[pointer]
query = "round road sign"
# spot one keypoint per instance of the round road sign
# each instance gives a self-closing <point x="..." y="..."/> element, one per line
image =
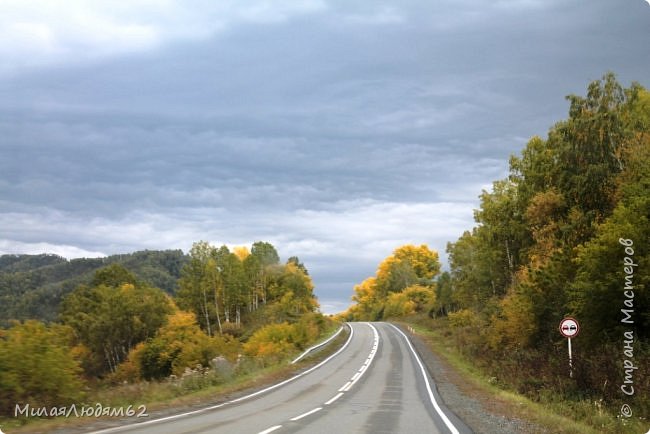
<point x="569" y="327"/>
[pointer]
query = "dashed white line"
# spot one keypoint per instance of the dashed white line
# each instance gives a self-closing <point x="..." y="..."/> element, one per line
<point x="273" y="428"/>
<point x="345" y="387"/>
<point x="293" y="419"/>
<point x="214" y="407"/>
<point x="340" y="394"/>
<point x="356" y="377"/>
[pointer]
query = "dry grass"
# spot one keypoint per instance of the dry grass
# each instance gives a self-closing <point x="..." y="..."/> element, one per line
<point x="552" y="413"/>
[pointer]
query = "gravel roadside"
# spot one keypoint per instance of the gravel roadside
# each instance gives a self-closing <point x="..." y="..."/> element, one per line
<point x="476" y="408"/>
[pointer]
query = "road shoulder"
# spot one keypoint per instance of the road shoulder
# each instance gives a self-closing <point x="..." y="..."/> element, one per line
<point x="481" y="411"/>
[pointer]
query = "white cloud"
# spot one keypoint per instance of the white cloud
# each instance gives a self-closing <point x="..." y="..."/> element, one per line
<point x="347" y="235"/>
<point x="66" y="251"/>
<point x="42" y="32"/>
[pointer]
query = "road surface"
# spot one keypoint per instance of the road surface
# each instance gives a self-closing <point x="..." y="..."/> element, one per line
<point x="374" y="384"/>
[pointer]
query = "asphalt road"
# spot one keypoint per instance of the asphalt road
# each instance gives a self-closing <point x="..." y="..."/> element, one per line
<point x="374" y="384"/>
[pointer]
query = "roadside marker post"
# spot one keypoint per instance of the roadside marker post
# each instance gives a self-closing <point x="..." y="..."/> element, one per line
<point x="569" y="328"/>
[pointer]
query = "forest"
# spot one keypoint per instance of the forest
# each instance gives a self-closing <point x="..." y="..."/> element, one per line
<point x="33" y="286"/>
<point x="565" y="234"/>
<point x="228" y="313"/>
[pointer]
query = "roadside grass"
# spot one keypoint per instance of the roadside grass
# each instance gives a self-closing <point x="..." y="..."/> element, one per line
<point x="167" y="397"/>
<point x="551" y="412"/>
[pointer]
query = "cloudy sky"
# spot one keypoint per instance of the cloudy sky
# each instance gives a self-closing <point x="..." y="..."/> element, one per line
<point x="335" y="129"/>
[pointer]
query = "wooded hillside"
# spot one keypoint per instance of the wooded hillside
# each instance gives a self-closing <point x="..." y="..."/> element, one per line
<point x="33" y="286"/>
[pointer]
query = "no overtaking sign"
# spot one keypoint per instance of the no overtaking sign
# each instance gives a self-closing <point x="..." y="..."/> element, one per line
<point x="569" y="327"/>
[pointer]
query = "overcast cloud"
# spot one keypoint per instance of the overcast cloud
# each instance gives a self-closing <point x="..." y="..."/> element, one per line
<point x="335" y="130"/>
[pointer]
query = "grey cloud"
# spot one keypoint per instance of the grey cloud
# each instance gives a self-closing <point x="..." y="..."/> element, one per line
<point x="337" y="131"/>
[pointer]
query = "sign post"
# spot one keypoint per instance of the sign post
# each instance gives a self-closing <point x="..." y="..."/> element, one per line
<point x="569" y="328"/>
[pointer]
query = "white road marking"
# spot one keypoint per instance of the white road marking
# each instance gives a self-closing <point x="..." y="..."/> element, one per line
<point x="309" y="350"/>
<point x="443" y="416"/>
<point x="306" y="414"/>
<point x="340" y="394"/>
<point x="371" y="356"/>
<point x="367" y="363"/>
<point x="214" y="407"/>
<point x="345" y="387"/>
<point x="273" y="428"/>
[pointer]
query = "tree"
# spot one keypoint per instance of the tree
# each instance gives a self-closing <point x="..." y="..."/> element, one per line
<point x="403" y="284"/>
<point x="444" y="302"/>
<point x="234" y="284"/>
<point x="296" y="261"/>
<point x="38" y="367"/>
<point x="294" y="290"/>
<point x="262" y="260"/>
<point x="200" y="285"/>
<point x="407" y="265"/>
<point x="616" y="260"/>
<point x="266" y="253"/>
<point x="179" y="344"/>
<point x="113" y="276"/>
<point x="111" y="320"/>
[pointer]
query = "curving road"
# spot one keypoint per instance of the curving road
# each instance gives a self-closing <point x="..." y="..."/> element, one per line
<point x="374" y="384"/>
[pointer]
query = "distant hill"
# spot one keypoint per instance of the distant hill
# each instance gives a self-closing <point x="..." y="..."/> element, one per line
<point x="32" y="286"/>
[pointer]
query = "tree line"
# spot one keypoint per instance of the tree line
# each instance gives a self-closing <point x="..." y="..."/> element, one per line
<point x="565" y="234"/>
<point x="237" y="307"/>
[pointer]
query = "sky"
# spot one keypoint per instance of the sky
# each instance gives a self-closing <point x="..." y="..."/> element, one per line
<point x="335" y="130"/>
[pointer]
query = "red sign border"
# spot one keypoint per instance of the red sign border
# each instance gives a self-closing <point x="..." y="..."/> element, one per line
<point x="577" y="325"/>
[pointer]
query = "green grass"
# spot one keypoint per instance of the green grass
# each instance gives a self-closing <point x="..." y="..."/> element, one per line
<point x="552" y="413"/>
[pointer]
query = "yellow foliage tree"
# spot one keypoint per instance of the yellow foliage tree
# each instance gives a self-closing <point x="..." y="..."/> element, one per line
<point x="425" y="262"/>
<point x="178" y="344"/>
<point x="398" y="304"/>
<point x="402" y="285"/>
<point x="409" y="264"/>
<point x="37" y="367"/>
<point x="271" y="343"/>
<point x="241" y="252"/>
<point x="423" y="297"/>
<point x="514" y="327"/>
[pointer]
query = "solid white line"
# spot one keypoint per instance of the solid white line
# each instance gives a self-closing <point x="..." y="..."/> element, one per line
<point x="273" y="428"/>
<point x="443" y="416"/>
<point x="309" y="350"/>
<point x="313" y="368"/>
<point x="334" y="399"/>
<point x="243" y="398"/>
<point x="355" y="376"/>
<point x="306" y="414"/>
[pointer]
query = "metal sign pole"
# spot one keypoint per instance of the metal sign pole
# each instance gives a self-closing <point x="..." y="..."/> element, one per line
<point x="570" y="360"/>
<point x="569" y="328"/>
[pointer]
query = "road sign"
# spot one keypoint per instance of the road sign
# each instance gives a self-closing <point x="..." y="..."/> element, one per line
<point x="569" y="327"/>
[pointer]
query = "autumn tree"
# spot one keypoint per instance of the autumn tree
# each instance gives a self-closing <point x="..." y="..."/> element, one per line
<point x="400" y="279"/>
<point x="407" y="265"/>
<point x="38" y="367"/>
<point x="114" y="316"/>
<point x="177" y="345"/>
